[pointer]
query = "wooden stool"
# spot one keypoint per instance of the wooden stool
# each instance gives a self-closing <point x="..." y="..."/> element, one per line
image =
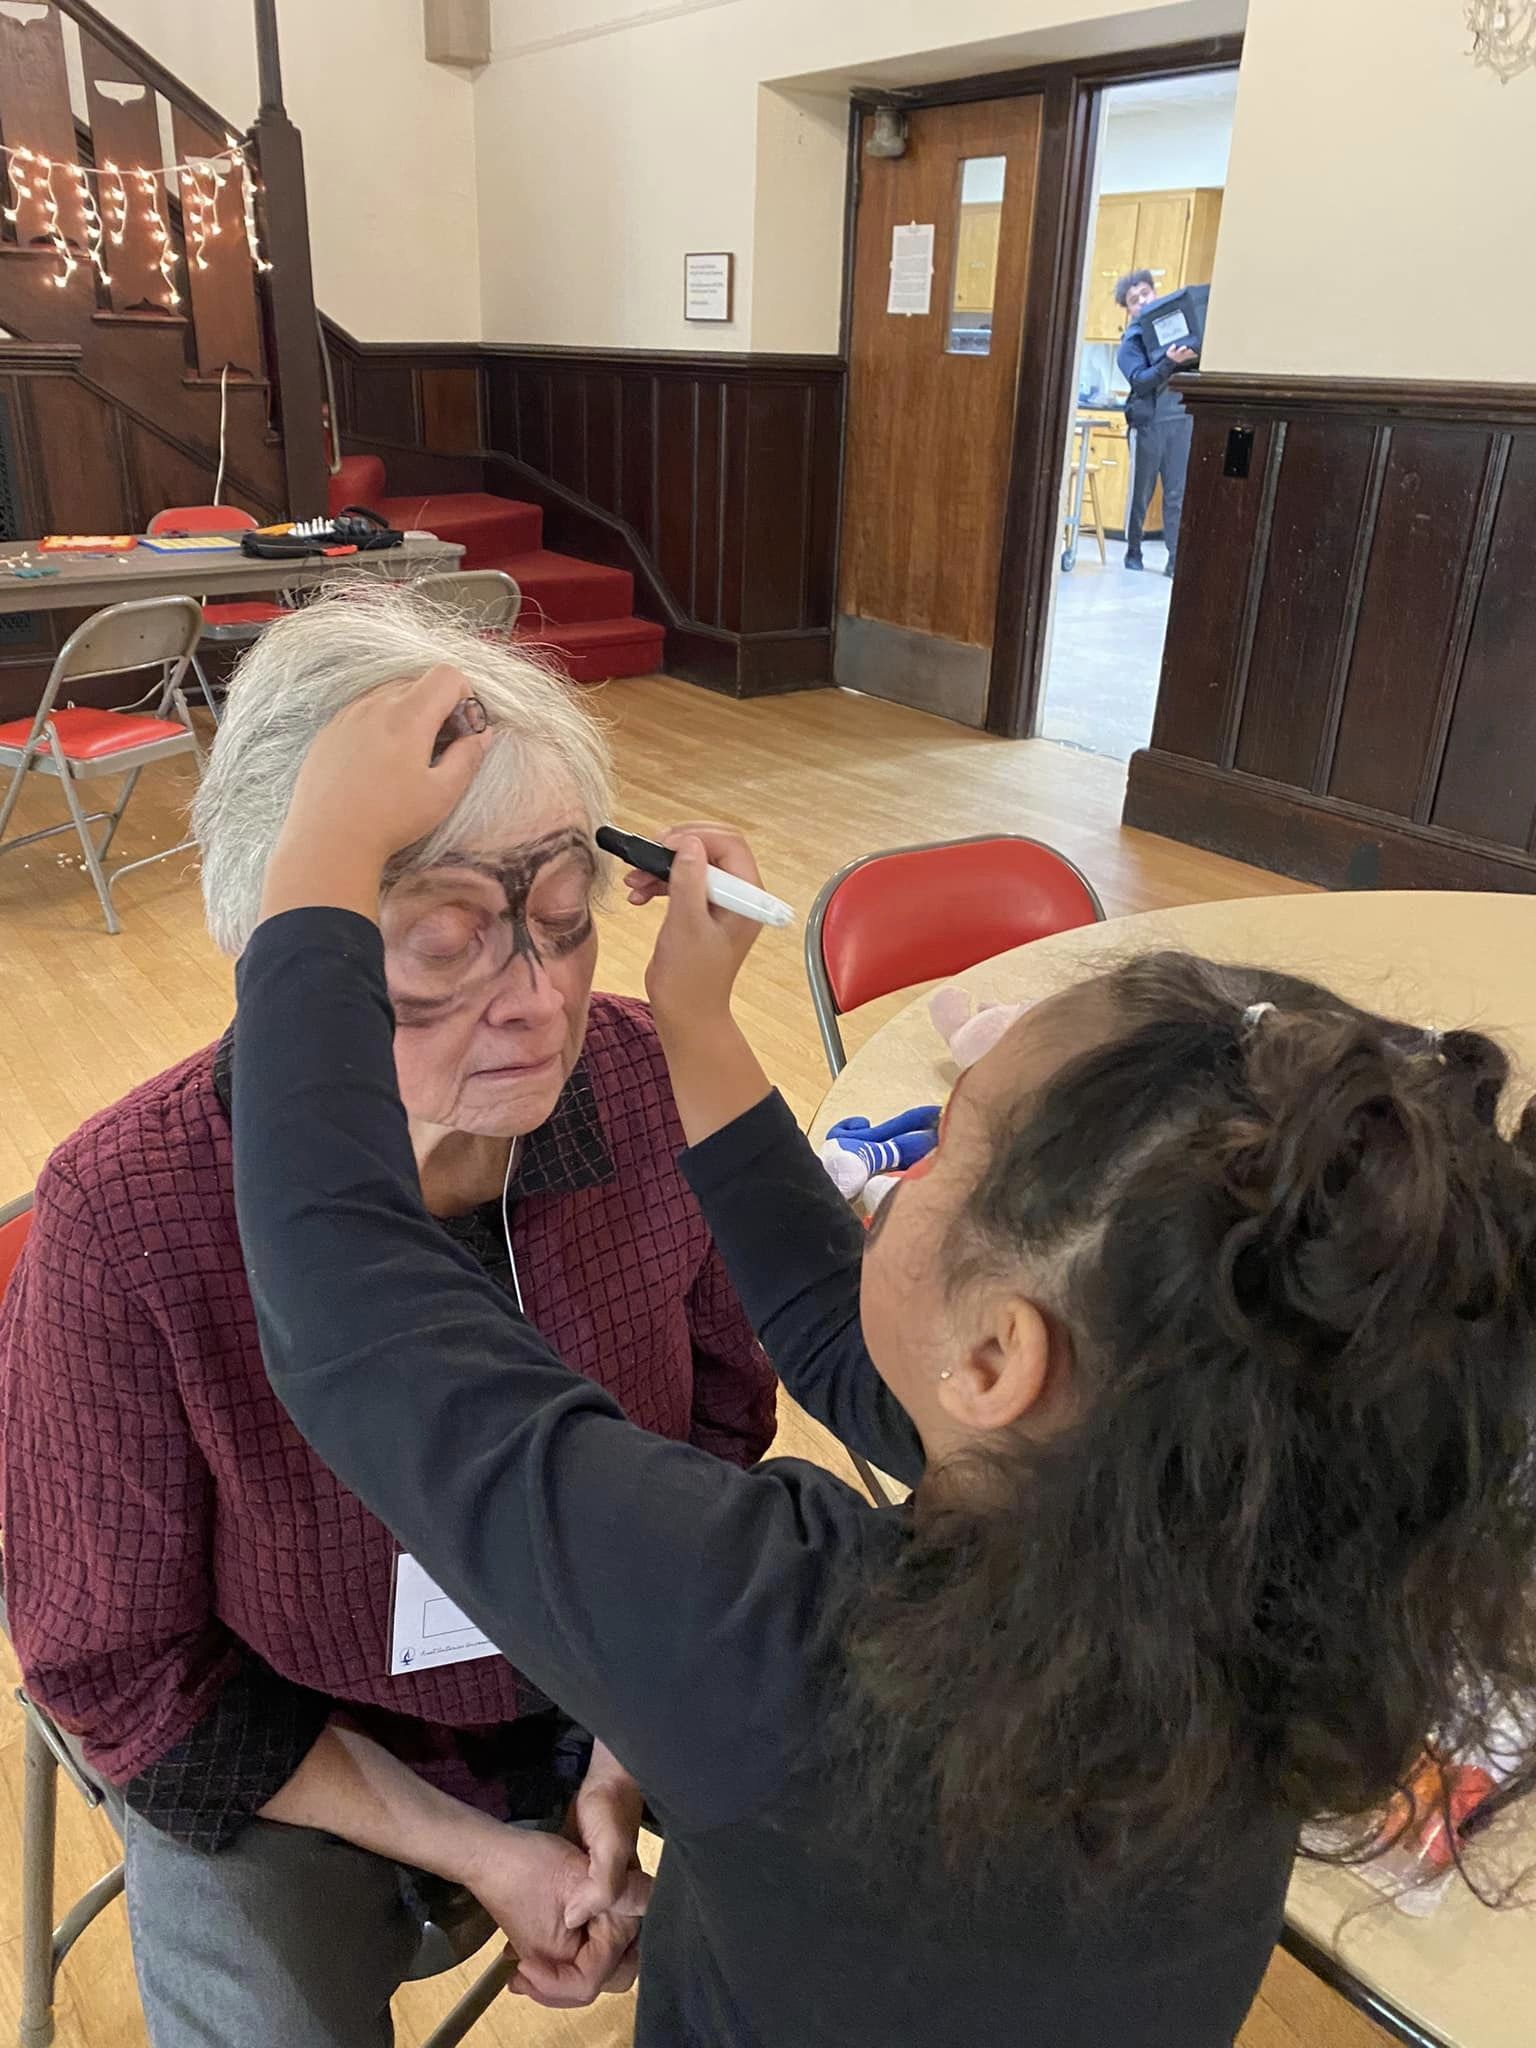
<point x="1097" y="520"/>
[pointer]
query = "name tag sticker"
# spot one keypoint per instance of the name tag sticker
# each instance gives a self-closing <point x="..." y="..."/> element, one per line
<point x="1170" y="328"/>
<point x="425" y="1628"/>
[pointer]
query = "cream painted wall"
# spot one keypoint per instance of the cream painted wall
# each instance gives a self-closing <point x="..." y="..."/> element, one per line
<point x="1166" y="149"/>
<point x="1389" y="186"/>
<point x="389" y="149"/>
<point x="614" y="135"/>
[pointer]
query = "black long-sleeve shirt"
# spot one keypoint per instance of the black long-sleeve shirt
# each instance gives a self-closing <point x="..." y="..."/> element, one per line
<point x="677" y="1607"/>
<point x="1146" y="367"/>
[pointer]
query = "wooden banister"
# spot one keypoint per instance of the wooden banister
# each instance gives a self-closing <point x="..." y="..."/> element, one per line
<point x="153" y="73"/>
<point x="290" y="286"/>
<point x="222" y="332"/>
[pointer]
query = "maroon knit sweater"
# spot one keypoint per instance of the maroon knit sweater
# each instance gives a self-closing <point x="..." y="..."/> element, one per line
<point x="180" y="1568"/>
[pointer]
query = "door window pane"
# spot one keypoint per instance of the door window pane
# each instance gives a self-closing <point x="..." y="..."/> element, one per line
<point x="976" y="241"/>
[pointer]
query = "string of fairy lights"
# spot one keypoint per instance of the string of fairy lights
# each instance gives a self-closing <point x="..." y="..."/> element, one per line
<point x="106" y="196"/>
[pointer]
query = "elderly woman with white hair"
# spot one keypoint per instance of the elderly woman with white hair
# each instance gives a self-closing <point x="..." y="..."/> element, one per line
<point x="299" y="1723"/>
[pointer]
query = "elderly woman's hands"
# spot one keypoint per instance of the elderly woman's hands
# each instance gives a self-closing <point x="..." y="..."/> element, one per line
<point x="369" y="785"/>
<point x="528" y="1883"/>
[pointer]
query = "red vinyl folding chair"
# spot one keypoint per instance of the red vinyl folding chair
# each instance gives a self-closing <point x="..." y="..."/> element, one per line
<point x="231" y="623"/>
<point x="79" y="744"/>
<point x="919" y="913"/>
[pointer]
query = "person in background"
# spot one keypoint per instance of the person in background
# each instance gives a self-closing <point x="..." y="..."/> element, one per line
<point x="1205" y="1338"/>
<point x="191" y="1592"/>
<point x="1159" y="421"/>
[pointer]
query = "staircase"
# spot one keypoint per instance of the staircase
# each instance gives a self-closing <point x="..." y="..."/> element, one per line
<point x="580" y="614"/>
<point x="131" y="370"/>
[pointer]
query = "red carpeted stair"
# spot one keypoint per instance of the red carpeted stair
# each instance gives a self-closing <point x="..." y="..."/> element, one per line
<point x="579" y="612"/>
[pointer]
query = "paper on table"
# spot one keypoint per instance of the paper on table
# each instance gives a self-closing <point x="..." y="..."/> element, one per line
<point x="911" y="268"/>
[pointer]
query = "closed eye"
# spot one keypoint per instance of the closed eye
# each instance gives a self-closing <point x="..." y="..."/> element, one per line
<point x="562" y="935"/>
<point x="444" y="937"/>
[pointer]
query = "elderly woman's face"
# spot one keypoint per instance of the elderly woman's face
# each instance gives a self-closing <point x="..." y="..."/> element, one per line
<point x="489" y="957"/>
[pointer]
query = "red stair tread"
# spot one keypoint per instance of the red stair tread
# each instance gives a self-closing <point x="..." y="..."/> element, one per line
<point x="579" y="613"/>
<point x="564" y="591"/>
<point x="599" y="650"/>
<point x="487" y="528"/>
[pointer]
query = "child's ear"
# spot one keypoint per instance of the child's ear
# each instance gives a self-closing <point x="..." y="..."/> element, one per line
<point x="1006" y="1370"/>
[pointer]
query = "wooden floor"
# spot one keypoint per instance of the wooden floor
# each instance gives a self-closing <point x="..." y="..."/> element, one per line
<point x="815" y="780"/>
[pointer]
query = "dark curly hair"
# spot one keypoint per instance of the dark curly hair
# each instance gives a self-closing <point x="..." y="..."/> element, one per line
<point x="1124" y="286"/>
<point x="1289" y="1535"/>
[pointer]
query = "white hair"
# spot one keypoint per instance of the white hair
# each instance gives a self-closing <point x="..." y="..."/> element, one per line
<point x="306" y="667"/>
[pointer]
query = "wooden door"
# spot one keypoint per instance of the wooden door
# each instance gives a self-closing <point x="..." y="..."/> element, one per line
<point x="1162" y="229"/>
<point x="930" y="412"/>
<point x="1114" y="253"/>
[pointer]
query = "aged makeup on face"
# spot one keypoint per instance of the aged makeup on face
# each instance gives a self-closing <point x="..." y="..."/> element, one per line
<point x="466" y="920"/>
<point x="489" y="960"/>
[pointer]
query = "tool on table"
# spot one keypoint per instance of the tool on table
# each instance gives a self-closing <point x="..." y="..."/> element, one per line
<point x="356" y="529"/>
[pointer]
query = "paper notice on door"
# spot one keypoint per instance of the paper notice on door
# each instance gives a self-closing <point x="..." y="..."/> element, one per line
<point x="425" y="1628"/>
<point x="911" y="268"/>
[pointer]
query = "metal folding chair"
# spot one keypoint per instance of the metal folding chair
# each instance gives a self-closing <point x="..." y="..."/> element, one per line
<point x="456" y="1928"/>
<point x="43" y="1945"/>
<point x="78" y="745"/>
<point x="490" y="599"/>
<point x="918" y="913"/>
<point x="226" y="622"/>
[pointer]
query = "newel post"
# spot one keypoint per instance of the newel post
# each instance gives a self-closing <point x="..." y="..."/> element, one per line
<point x="295" y="337"/>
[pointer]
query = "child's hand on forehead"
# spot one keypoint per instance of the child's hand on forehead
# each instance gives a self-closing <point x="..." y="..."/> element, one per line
<point x="379" y="776"/>
<point x="374" y="780"/>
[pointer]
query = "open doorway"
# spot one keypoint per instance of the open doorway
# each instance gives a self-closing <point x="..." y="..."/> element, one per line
<point x="1159" y="182"/>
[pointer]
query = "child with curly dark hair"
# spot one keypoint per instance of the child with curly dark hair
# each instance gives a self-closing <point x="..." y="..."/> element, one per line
<point x="1208" y="1342"/>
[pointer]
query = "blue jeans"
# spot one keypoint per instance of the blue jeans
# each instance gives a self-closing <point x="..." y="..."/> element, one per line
<point x="288" y="1937"/>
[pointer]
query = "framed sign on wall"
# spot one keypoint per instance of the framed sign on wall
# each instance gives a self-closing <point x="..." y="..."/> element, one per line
<point x="709" y="285"/>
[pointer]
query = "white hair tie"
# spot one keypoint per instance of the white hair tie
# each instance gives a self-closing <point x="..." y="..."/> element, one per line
<point x="1254" y="1012"/>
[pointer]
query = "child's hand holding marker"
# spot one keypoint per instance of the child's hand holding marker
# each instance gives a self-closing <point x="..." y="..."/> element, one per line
<point x="698" y="954"/>
<point x="701" y="947"/>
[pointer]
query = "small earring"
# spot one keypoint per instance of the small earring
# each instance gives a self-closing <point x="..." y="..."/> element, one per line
<point x="946" y="1374"/>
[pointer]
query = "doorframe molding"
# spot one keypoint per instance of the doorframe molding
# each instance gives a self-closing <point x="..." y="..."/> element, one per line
<point x="1072" y="92"/>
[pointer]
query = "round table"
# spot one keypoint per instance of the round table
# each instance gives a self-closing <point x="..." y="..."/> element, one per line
<point x="1463" y="1976"/>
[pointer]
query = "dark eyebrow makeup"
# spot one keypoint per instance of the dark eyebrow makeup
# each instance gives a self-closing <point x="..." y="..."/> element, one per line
<point x="516" y="876"/>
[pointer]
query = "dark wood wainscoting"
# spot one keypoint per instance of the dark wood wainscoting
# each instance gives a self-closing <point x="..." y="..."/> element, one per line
<point x="74" y="458"/>
<point x="714" y="479"/>
<point x="1346" y="692"/>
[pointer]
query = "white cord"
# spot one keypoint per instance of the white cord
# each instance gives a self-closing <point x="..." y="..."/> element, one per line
<point x="330" y="395"/>
<point x="218" y="482"/>
<point x="506" y="1225"/>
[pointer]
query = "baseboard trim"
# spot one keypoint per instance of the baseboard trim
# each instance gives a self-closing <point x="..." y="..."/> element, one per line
<point x="921" y="670"/>
<point x="1316" y="839"/>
